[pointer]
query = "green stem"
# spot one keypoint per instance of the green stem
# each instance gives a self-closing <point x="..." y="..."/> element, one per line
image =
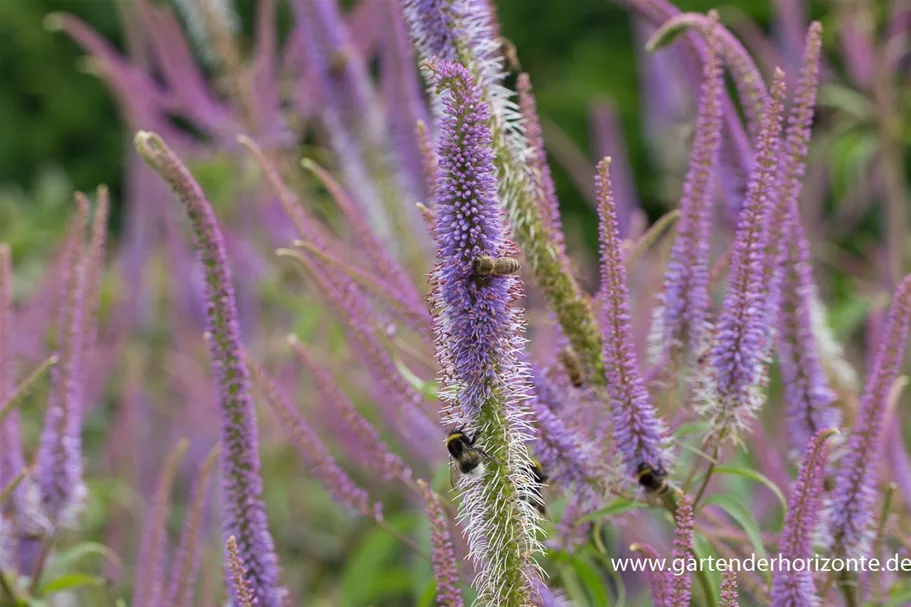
<point x="707" y="477"/>
<point x="8" y="588"/>
<point x="46" y="548"/>
<point x="849" y="590"/>
<point x="404" y="539"/>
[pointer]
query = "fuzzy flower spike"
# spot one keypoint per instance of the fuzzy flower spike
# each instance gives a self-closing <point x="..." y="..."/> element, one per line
<point x="478" y="343"/>
<point x="243" y="512"/>
<point x="794" y="588"/>
<point x="680" y="321"/>
<point x="639" y="434"/>
<point x="855" y="491"/>
<point x="806" y="386"/>
<point x="733" y="391"/>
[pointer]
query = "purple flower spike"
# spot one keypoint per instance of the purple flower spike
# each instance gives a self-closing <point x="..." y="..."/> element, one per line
<point x="312" y="450"/>
<point x="746" y="75"/>
<point x="639" y="434"/>
<point x="432" y="24"/>
<point x="807" y="391"/>
<point x="728" y="596"/>
<point x="468" y="226"/>
<point x="543" y="181"/>
<point x="153" y="547"/>
<point x="60" y="455"/>
<point x="680" y="322"/>
<point x="241" y="589"/>
<point x="371" y="450"/>
<point x="551" y="598"/>
<point x="679" y="591"/>
<point x="243" y="512"/>
<point x="185" y="567"/>
<point x="11" y="461"/>
<point x="855" y="487"/>
<point x="479" y="345"/>
<point x="806" y="385"/>
<point x="350" y="112"/>
<point x="659" y="582"/>
<point x="466" y="30"/>
<point x="733" y="391"/>
<point x="401" y="402"/>
<point x="571" y="460"/>
<point x="445" y="567"/>
<point x="793" y="588"/>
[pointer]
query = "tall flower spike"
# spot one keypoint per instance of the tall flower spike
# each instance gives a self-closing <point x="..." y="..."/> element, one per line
<point x="241" y="589"/>
<point x="354" y="122"/>
<point x="372" y="451"/>
<point x="479" y="346"/>
<point x="792" y="165"/>
<point x="728" y="596"/>
<point x="806" y="386"/>
<point x="154" y="543"/>
<point x="243" y="512"/>
<point x="401" y="402"/>
<point x="679" y="591"/>
<point x="95" y="264"/>
<point x="746" y="75"/>
<point x="571" y="460"/>
<point x="60" y="454"/>
<point x="465" y="30"/>
<point x="384" y="264"/>
<point x="639" y="434"/>
<point x="733" y="389"/>
<point x="11" y="461"/>
<point x="794" y="588"/>
<point x="543" y="181"/>
<point x="185" y="567"/>
<point x="311" y="448"/>
<point x="658" y="581"/>
<point x="445" y="567"/>
<point x="679" y="322"/>
<point x="855" y="487"/>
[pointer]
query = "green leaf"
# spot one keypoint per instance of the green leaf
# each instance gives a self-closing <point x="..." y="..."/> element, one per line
<point x="591" y="581"/>
<point x="66" y="560"/>
<point x="572" y="586"/>
<point x="71" y="581"/>
<point x="428" y="597"/>
<point x="703" y="549"/>
<point x="666" y="35"/>
<point x="899" y="600"/>
<point x="365" y="572"/>
<point x="744" y="518"/>
<point x="754" y="476"/>
<point x="696" y="427"/>
<point x="847" y="100"/>
<point x="620" y="506"/>
<point x="427" y="388"/>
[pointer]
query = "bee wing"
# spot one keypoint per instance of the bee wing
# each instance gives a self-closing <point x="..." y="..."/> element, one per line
<point x="453" y="474"/>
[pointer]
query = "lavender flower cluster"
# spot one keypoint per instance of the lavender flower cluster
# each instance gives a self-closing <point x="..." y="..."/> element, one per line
<point x="572" y="422"/>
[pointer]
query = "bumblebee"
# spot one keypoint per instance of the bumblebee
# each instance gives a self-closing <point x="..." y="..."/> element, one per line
<point x="653" y="481"/>
<point x="470" y="459"/>
<point x="573" y="366"/>
<point x="338" y="62"/>
<point x="540" y="477"/>
<point x="486" y="266"/>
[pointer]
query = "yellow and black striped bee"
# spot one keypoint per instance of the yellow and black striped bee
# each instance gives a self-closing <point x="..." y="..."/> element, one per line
<point x="653" y="481"/>
<point x="486" y="266"/>
<point x="573" y="366"/>
<point x="338" y="62"/>
<point x="468" y="458"/>
<point x="540" y="477"/>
